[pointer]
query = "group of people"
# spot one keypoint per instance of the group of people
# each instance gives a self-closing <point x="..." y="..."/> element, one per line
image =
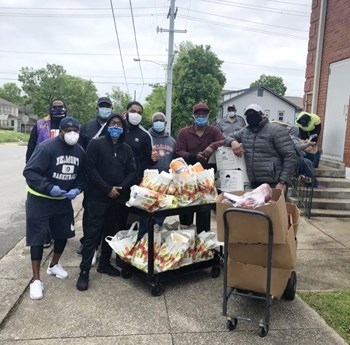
<point x="107" y="155"/>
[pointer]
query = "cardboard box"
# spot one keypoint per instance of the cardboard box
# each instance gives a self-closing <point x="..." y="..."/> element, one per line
<point x="283" y="255"/>
<point x="295" y="213"/>
<point x="227" y="160"/>
<point x="248" y="228"/>
<point x="233" y="180"/>
<point x="253" y="278"/>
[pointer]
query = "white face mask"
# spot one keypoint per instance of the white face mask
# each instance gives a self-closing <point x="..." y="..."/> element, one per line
<point x="231" y="113"/>
<point x="134" y="118"/>
<point x="71" y="138"/>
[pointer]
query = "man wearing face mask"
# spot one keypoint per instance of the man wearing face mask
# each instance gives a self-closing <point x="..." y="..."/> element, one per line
<point x="196" y="143"/>
<point x="231" y="122"/>
<point x="46" y="128"/>
<point x="90" y="130"/>
<point x="55" y="176"/>
<point x="268" y="150"/>
<point x="111" y="171"/>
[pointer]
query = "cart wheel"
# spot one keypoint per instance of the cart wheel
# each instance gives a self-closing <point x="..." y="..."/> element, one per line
<point x="289" y="292"/>
<point x="232" y="324"/>
<point x="126" y="274"/>
<point x="156" y="289"/>
<point x="263" y="330"/>
<point x="215" y="271"/>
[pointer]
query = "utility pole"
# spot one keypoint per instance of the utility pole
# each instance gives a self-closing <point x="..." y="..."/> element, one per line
<point x="169" y="80"/>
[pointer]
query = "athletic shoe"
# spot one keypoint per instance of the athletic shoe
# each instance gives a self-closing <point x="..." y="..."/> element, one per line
<point x="108" y="269"/>
<point x="83" y="281"/>
<point x="36" y="289"/>
<point x="48" y="244"/>
<point x="57" y="271"/>
<point x="80" y="249"/>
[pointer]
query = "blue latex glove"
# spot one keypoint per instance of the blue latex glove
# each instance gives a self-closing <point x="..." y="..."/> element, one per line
<point x="57" y="191"/>
<point x="72" y="193"/>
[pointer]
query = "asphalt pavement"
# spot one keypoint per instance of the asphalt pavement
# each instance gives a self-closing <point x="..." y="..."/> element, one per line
<point x="122" y="311"/>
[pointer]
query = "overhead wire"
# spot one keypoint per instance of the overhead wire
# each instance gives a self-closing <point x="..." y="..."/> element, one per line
<point x="137" y="47"/>
<point x="120" y="50"/>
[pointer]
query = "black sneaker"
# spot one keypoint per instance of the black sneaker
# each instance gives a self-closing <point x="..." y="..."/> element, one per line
<point x="108" y="269"/>
<point x="83" y="281"/>
<point x="48" y="244"/>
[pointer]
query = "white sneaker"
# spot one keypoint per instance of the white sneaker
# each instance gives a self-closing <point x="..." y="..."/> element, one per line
<point x="94" y="258"/>
<point x="36" y="289"/>
<point x="57" y="271"/>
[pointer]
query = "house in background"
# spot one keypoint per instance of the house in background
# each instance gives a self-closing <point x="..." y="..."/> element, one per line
<point x="327" y="84"/>
<point x="276" y="107"/>
<point x="8" y="114"/>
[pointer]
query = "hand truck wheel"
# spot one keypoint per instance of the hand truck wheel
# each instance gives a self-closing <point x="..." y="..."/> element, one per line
<point x="263" y="330"/>
<point x="232" y="324"/>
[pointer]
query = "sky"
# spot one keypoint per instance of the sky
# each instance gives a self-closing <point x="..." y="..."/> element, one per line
<point x="251" y="37"/>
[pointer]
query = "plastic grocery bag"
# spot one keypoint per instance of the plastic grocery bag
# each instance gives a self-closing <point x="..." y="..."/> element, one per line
<point x="206" y="242"/>
<point x="123" y="241"/>
<point x="206" y="185"/>
<point x="186" y="189"/>
<point x="143" y="198"/>
<point x="139" y="254"/>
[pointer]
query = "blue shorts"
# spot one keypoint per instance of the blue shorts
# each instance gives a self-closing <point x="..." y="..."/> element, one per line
<point x="46" y="216"/>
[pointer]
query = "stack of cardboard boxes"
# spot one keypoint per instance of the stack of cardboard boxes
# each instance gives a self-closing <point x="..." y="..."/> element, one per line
<point x="232" y="171"/>
<point x="247" y="247"/>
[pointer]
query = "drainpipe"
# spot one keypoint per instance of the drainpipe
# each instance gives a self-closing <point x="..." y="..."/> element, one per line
<point x="318" y="59"/>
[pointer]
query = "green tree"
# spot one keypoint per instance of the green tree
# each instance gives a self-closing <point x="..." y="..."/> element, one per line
<point x="43" y="85"/>
<point x="272" y="82"/>
<point x="122" y="96"/>
<point x="12" y="93"/>
<point x="154" y="102"/>
<point x="197" y="77"/>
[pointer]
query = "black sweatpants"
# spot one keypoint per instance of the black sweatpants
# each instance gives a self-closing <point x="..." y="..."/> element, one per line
<point x="102" y="222"/>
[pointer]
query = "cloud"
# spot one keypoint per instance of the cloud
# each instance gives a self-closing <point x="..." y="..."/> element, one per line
<point x="236" y="31"/>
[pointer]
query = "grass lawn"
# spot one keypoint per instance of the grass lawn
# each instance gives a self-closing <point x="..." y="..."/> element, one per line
<point x="11" y="136"/>
<point x="334" y="307"/>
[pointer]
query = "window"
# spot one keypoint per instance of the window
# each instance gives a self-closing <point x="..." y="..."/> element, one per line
<point x="260" y="92"/>
<point x="280" y="115"/>
<point x="12" y="123"/>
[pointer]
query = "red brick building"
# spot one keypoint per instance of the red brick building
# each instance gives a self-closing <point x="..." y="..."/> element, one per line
<point x="327" y="84"/>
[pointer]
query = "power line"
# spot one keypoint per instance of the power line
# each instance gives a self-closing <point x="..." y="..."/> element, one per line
<point x="137" y="47"/>
<point x="244" y="28"/>
<point x="259" y="8"/>
<point x="242" y="20"/>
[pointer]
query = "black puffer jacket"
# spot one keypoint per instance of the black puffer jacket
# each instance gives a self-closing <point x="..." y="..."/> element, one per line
<point x="269" y="153"/>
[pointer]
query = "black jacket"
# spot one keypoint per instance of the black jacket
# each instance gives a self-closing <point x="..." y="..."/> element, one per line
<point x="88" y="131"/>
<point x="140" y="142"/>
<point x="109" y="165"/>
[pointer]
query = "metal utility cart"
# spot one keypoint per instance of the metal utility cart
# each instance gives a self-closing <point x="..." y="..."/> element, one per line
<point x="289" y="292"/>
<point x="155" y="280"/>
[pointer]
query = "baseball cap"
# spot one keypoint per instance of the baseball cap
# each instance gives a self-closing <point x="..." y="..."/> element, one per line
<point x="231" y="106"/>
<point x="255" y="107"/>
<point x="200" y="106"/>
<point x="104" y="100"/>
<point x="69" y="122"/>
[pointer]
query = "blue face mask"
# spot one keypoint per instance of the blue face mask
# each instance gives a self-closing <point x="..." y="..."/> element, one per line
<point x="115" y="132"/>
<point x="159" y="126"/>
<point x="103" y="113"/>
<point x="58" y="111"/>
<point x="200" y="121"/>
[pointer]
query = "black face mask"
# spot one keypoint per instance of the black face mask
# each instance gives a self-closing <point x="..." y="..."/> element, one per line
<point x="58" y="111"/>
<point x="253" y="118"/>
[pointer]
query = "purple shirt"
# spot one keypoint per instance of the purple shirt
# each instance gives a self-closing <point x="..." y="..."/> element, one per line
<point x="190" y="143"/>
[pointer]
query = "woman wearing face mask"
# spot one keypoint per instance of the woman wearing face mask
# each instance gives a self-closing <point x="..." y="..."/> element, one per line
<point x="55" y="176"/>
<point x="231" y="122"/>
<point x="111" y="171"/>
<point x="268" y="150"/>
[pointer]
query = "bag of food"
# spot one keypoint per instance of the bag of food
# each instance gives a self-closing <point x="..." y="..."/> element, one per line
<point x="186" y="188"/>
<point x="150" y="179"/>
<point x="206" y="243"/>
<point x="143" y="198"/>
<point x="123" y="241"/>
<point x="255" y="198"/>
<point x="206" y="185"/>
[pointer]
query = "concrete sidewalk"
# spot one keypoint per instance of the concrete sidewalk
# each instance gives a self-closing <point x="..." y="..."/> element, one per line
<point x="118" y="311"/>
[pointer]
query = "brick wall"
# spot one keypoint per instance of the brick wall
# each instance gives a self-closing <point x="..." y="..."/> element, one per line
<point x="336" y="47"/>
